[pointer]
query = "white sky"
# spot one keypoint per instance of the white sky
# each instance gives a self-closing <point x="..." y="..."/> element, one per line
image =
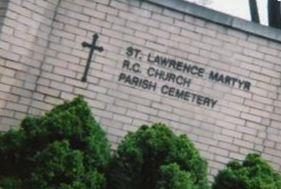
<point x="239" y="8"/>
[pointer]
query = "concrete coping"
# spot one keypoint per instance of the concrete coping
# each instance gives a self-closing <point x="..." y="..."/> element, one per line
<point x="220" y="18"/>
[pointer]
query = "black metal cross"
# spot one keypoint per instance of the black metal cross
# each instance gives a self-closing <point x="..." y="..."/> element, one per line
<point x="93" y="47"/>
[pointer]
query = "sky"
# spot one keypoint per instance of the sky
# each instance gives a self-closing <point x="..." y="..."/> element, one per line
<point x="239" y="8"/>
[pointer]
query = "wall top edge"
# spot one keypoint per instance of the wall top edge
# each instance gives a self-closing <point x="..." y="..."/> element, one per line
<point x="220" y="18"/>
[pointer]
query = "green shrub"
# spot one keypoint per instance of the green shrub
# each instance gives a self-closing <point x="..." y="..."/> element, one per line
<point x="11" y="183"/>
<point x="172" y="177"/>
<point x="252" y="173"/>
<point x="58" y="165"/>
<point x="66" y="148"/>
<point x="141" y="156"/>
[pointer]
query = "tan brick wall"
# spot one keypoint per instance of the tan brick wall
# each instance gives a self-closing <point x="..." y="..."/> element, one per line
<point x="23" y="41"/>
<point x="241" y="122"/>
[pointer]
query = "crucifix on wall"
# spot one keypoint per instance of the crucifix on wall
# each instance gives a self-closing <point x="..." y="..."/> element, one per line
<point x="93" y="46"/>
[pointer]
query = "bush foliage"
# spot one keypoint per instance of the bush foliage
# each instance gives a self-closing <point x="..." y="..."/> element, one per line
<point x="64" y="149"/>
<point x="252" y="173"/>
<point x="154" y="157"/>
<point x="67" y="149"/>
<point x="171" y="177"/>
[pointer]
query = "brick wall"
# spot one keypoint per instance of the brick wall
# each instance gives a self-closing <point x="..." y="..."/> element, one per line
<point x="42" y="62"/>
<point x="23" y="41"/>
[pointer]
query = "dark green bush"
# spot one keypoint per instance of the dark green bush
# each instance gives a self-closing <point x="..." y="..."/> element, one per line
<point x="252" y="173"/>
<point x="139" y="160"/>
<point x="172" y="177"/>
<point x="64" y="149"/>
<point x="58" y="165"/>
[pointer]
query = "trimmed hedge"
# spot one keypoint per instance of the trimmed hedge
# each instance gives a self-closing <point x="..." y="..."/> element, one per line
<point x="67" y="149"/>
<point x="145" y="158"/>
<point x="171" y="177"/>
<point x="64" y="149"/>
<point x="252" y="173"/>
